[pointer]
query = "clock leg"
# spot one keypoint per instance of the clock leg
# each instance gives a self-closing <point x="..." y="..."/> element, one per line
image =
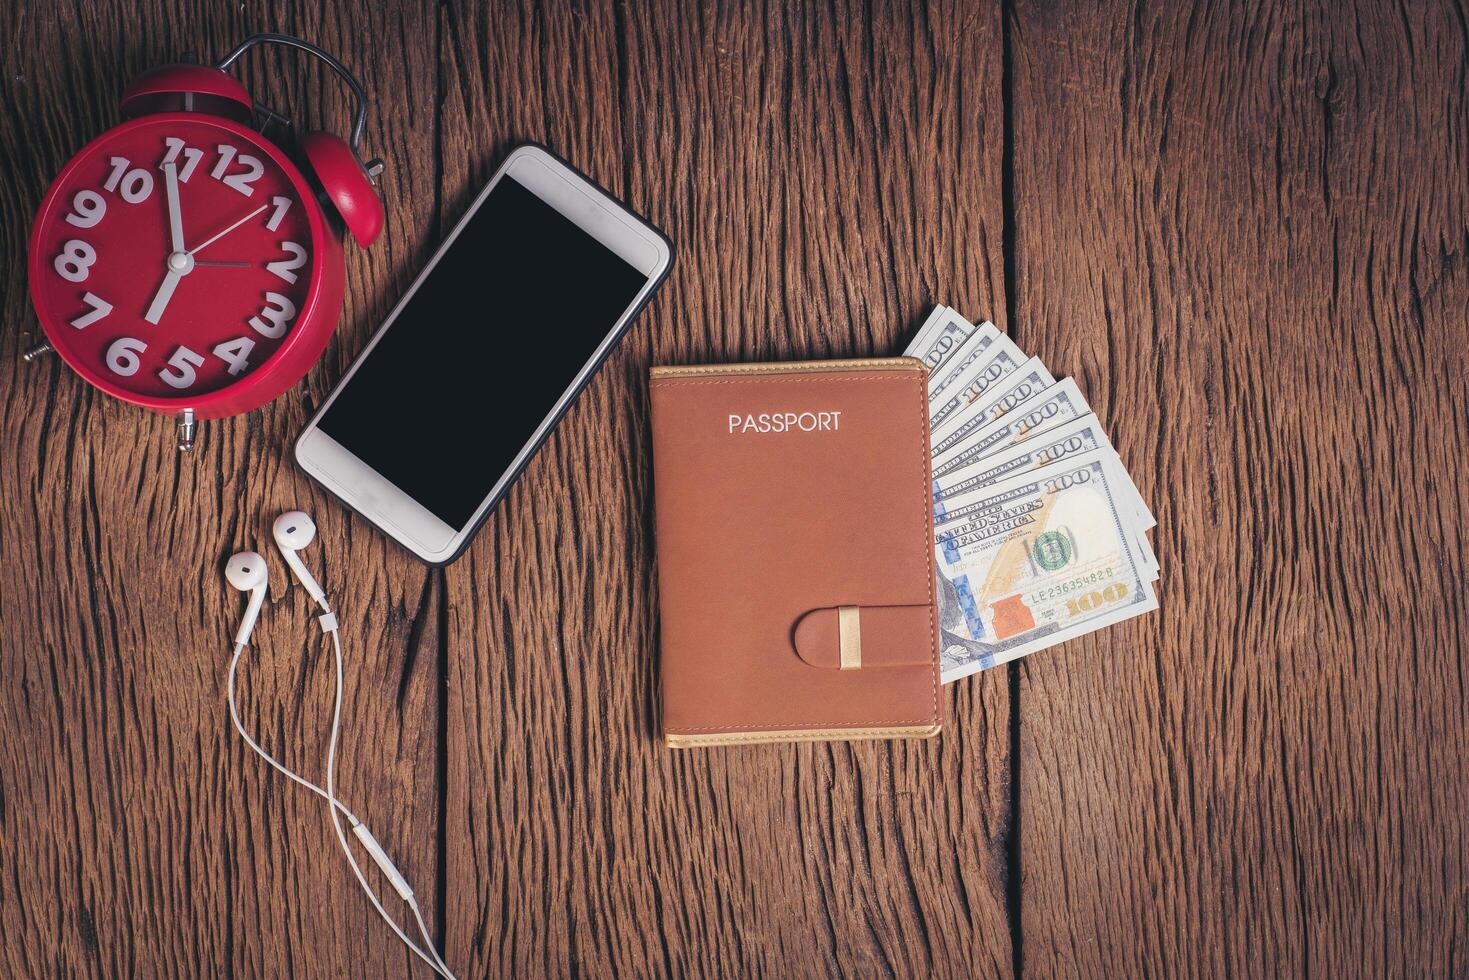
<point x="187" y="427"/>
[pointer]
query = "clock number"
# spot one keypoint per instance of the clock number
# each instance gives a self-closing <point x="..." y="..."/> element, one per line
<point x="180" y="372"/>
<point x="254" y="169"/>
<point x="122" y="356"/>
<point x="119" y="167"/>
<point x="235" y="353"/>
<point x="286" y="268"/>
<point x="192" y="156"/>
<point x="279" y="310"/>
<point x="100" y="308"/>
<point x="226" y="154"/>
<point x="135" y="184"/>
<point x="74" y="263"/>
<point x="87" y="208"/>
<point x="282" y="205"/>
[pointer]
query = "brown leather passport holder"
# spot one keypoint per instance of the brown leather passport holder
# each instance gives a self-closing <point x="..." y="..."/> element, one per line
<point x="795" y="551"/>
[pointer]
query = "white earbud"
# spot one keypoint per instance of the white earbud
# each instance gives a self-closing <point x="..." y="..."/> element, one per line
<point x="293" y="531"/>
<point x="247" y="572"/>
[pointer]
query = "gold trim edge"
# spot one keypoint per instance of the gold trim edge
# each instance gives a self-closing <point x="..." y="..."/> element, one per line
<point x="676" y="741"/>
<point x="787" y="367"/>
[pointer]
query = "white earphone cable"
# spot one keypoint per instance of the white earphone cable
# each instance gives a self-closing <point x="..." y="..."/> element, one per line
<point x="427" y="941"/>
<point x="436" y="963"/>
<point x="240" y="727"/>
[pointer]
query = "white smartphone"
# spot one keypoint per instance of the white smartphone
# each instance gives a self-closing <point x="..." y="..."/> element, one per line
<point x="485" y="351"/>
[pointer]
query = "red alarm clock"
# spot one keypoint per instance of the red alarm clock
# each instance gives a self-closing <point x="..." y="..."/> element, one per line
<point x="184" y="262"/>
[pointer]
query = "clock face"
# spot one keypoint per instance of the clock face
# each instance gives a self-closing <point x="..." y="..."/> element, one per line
<point x="173" y="256"/>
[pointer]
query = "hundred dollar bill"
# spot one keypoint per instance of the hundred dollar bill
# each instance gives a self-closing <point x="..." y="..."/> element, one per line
<point x="1052" y="557"/>
<point x="974" y="382"/>
<point x="1071" y="438"/>
<point x="1059" y="403"/>
<point x="967" y="502"/>
<point x="1077" y="436"/>
<point x="1022" y="384"/>
<point x="982" y="345"/>
<point x="939" y="337"/>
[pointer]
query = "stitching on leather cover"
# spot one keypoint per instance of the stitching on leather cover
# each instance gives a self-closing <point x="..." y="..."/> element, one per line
<point x="922" y="730"/>
<point x="789" y="367"/>
<point x="925" y="511"/>
<point x="832" y="726"/>
<point x="685" y="382"/>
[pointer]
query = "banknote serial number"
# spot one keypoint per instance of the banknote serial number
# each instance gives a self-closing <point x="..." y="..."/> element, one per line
<point x="1076" y="584"/>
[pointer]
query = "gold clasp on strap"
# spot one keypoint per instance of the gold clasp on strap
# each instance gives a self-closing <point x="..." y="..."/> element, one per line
<point x="849" y="632"/>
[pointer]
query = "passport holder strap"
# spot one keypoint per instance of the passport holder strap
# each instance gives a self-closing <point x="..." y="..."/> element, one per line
<point x="865" y="637"/>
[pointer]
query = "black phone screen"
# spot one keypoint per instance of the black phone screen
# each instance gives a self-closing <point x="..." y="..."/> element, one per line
<point x="484" y="349"/>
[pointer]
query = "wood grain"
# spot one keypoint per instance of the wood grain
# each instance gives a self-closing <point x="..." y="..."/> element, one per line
<point x="1243" y="231"/>
<point x="140" y="836"/>
<point x="579" y="843"/>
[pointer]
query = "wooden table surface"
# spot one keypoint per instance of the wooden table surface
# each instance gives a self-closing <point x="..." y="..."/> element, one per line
<point x="1244" y="230"/>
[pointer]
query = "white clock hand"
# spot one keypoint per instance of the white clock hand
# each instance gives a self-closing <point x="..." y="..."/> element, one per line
<point x="175" y="219"/>
<point x="219" y="235"/>
<point x="161" y="298"/>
